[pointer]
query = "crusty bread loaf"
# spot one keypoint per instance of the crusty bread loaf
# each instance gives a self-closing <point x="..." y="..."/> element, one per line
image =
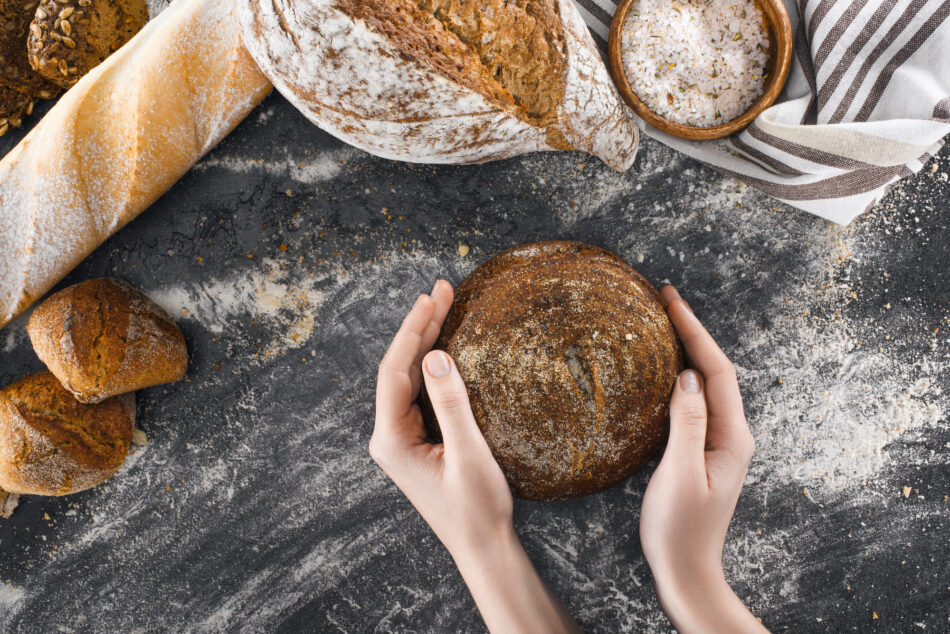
<point x="102" y="337"/>
<point x="443" y="81"/>
<point x="569" y="360"/>
<point x="117" y="140"/>
<point x="51" y="444"/>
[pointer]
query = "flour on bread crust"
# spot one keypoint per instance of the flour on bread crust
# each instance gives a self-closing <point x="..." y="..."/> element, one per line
<point x="354" y="83"/>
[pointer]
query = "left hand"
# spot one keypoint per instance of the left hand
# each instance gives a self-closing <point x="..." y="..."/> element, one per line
<point x="456" y="486"/>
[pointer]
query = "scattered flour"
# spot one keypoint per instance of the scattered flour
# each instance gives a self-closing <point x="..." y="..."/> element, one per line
<point x="310" y="169"/>
<point x="285" y="309"/>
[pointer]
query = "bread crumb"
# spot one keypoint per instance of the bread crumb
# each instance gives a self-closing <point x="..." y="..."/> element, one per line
<point x="874" y="615"/>
<point x="46" y="516"/>
<point x="139" y="438"/>
<point x="283" y="247"/>
<point x="289" y="193"/>
<point x="906" y="492"/>
<point x="628" y="337"/>
<point x="463" y="249"/>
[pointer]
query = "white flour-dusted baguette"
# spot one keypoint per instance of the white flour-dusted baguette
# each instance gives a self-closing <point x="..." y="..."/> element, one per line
<point x="443" y="81"/>
<point x="117" y="141"/>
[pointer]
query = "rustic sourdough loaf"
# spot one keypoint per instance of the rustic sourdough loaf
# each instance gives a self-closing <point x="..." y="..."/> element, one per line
<point x="51" y="444"/>
<point x="102" y="337"/>
<point x="443" y="81"/>
<point x="117" y="140"/>
<point x="569" y="360"/>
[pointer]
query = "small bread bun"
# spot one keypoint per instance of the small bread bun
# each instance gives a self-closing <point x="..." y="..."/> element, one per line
<point x="51" y="444"/>
<point x="102" y="338"/>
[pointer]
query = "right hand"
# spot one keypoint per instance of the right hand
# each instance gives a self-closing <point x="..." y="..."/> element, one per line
<point x="692" y="494"/>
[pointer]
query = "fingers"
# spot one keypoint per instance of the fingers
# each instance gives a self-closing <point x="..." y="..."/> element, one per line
<point x="442" y="294"/>
<point x="394" y="386"/>
<point x="688" y="417"/>
<point x="723" y="399"/>
<point x="450" y="402"/>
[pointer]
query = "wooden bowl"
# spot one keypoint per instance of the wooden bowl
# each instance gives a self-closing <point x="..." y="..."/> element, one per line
<point x="780" y="57"/>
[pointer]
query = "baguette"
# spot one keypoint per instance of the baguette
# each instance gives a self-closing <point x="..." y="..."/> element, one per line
<point x="117" y="140"/>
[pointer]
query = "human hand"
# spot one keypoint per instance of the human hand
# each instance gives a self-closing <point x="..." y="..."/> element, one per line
<point x="692" y="494"/>
<point x="456" y="486"/>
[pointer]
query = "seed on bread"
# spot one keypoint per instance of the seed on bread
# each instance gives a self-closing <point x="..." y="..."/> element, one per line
<point x="20" y="85"/>
<point x="82" y="33"/>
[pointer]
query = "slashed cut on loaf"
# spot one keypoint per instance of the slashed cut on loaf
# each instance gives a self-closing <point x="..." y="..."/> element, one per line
<point x="103" y="337"/>
<point x="443" y="81"/>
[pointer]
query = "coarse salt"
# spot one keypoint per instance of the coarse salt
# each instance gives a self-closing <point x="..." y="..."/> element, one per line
<point x="696" y="62"/>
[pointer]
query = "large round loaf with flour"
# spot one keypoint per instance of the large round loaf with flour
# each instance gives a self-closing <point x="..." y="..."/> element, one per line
<point x="569" y="360"/>
<point x="443" y="81"/>
<point x="51" y="444"/>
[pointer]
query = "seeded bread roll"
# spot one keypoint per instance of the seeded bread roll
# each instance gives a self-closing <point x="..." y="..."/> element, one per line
<point x="51" y="444"/>
<point x="68" y="38"/>
<point x="569" y="360"/>
<point x="102" y="338"/>
<point x="20" y="85"/>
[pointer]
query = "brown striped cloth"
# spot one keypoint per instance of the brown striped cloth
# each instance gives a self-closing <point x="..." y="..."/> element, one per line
<point x="867" y="102"/>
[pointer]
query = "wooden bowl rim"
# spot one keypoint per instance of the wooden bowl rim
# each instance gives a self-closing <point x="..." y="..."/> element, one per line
<point x="780" y="35"/>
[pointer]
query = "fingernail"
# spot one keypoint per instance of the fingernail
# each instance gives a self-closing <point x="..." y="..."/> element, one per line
<point x="689" y="382"/>
<point x="435" y="287"/>
<point x="438" y="365"/>
<point x="676" y="294"/>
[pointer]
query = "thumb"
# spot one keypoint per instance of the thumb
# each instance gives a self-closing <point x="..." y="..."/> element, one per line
<point x="450" y="402"/>
<point x="687" y="418"/>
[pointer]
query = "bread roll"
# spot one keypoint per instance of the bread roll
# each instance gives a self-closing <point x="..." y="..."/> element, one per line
<point x="70" y="37"/>
<point x="51" y="444"/>
<point x="117" y="140"/>
<point x="102" y="338"/>
<point x="443" y="81"/>
<point x="570" y="362"/>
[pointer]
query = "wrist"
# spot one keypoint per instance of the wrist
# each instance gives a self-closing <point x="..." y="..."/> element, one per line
<point x="703" y="601"/>
<point x="485" y="549"/>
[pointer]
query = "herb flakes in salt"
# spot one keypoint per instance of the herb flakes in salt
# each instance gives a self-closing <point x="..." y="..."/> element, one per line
<point x="696" y="62"/>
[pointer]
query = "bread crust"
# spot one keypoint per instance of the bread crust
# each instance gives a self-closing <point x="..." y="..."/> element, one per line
<point x="68" y="38"/>
<point x="51" y="444"/>
<point x="20" y="85"/>
<point x="378" y="76"/>
<point x="102" y="337"/>
<point x="570" y="361"/>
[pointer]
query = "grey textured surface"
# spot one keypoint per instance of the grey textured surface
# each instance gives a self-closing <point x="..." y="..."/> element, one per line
<point x="255" y="507"/>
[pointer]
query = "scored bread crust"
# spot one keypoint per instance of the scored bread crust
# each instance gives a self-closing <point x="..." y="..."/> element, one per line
<point x="569" y="360"/>
<point x="360" y="86"/>
<point x="102" y="337"/>
<point x="51" y="444"/>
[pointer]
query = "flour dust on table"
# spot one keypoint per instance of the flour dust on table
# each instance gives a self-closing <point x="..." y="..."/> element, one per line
<point x="255" y="505"/>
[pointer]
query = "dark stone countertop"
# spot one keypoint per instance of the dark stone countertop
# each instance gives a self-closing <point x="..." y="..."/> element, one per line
<point x="290" y="259"/>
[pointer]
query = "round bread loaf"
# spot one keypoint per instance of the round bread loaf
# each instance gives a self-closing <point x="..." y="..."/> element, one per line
<point x="570" y="362"/>
<point x="102" y="338"/>
<point x="51" y="444"/>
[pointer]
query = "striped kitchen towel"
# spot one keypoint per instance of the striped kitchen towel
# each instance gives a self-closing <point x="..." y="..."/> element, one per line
<point x="867" y="102"/>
